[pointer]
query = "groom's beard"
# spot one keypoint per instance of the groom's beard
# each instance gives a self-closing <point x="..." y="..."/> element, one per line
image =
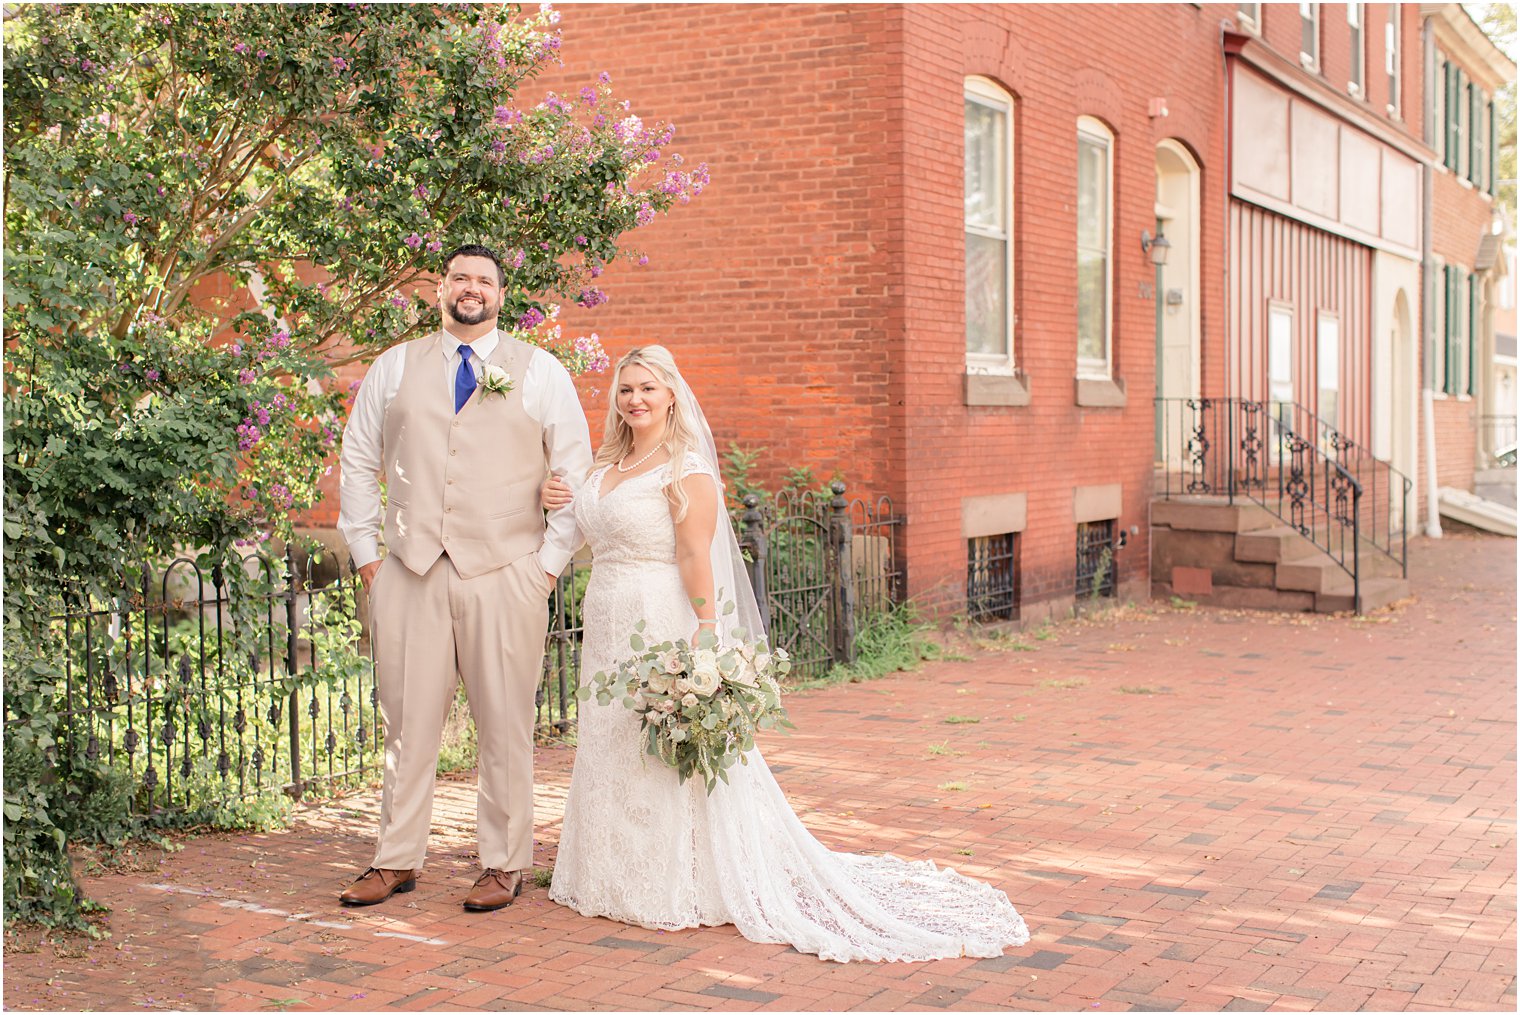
<point x="484" y="311"/>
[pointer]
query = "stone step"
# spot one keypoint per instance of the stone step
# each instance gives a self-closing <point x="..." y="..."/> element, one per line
<point x="1211" y="514"/>
<point x="1377" y="592"/>
<point x="1274" y="545"/>
<point x="1314" y="574"/>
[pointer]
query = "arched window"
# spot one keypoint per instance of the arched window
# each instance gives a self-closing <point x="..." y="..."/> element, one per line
<point x="1095" y="276"/>
<point x="989" y="228"/>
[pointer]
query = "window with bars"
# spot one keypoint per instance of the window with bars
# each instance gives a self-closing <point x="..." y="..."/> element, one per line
<point x="992" y="577"/>
<point x="1097" y="565"/>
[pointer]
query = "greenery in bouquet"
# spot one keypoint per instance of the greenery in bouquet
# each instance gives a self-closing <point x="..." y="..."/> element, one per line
<point x="700" y="703"/>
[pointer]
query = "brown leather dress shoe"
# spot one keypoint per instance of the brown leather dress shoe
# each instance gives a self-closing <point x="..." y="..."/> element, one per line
<point x="494" y="890"/>
<point x="376" y="885"/>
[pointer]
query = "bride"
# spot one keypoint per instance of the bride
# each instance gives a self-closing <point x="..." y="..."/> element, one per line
<point x="638" y="845"/>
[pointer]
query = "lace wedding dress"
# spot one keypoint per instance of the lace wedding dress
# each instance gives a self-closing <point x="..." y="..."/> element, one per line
<point x="640" y="847"/>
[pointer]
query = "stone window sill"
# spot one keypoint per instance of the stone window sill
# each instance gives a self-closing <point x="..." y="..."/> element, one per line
<point x="1101" y="393"/>
<point x="997" y="389"/>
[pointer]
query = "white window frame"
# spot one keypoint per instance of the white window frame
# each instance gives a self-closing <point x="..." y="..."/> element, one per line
<point x="985" y="92"/>
<point x="1309" y="12"/>
<point x="1327" y="325"/>
<point x="1280" y="353"/>
<point x="1356" y="23"/>
<point x="1096" y="131"/>
<point x="1393" y="60"/>
<point x="1248" y="16"/>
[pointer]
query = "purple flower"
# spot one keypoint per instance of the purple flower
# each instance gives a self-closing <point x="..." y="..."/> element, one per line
<point x="398" y="300"/>
<point x="237" y="348"/>
<point x="421" y="191"/>
<point x="262" y="53"/>
<point x="129" y="218"/>
<point x="434" y="247"/>
<point x="414" y="241"/>
<point x="339" y="64"/>
<point x="498" y="146"/>
<point x="153" y="375"/>
<point x="240" y="48"/>
<point x="604" y="78"/>
<point x="246" y="377"/>
<point x="588" y="96"/>
<point x="532" y="319"/>
<point x="643" y="258"/>
<point x="507" y="116"/>
<point x="645" y="214"/>
<point x="123" y="367"/>
<point x="580" y="241"/>
<point x="591" y="298"/>
<point x="517" y="258"/>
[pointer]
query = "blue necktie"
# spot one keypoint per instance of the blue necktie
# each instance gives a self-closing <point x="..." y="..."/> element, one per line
<point x="464" y="380"/>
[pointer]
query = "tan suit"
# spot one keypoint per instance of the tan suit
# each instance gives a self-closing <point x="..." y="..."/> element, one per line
<point x="462" y="595"/>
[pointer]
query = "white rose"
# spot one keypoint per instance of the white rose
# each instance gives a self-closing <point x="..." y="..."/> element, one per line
<point x="494" y="376"/>
<point x="744" y="675"/>
<point x="682" y="685"/>
<point x="705" y="679"/>
<point x="673" y="662"/>
<point x="659" y="682"/>
<point x="762" y="662"/>
<point x="689" y="700"/>
<point x="667" y="706"/>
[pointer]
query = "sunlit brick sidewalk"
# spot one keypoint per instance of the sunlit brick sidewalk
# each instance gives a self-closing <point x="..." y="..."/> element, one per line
<point x="1192" y="809"/>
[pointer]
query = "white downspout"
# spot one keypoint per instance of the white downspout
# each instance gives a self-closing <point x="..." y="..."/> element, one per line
<point x="1427" y="302"/>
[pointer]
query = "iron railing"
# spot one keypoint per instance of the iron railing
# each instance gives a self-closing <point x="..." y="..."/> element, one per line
<point x="205" y="691"/>
<point x="992" y="577"/>
<point x="821" y="566"/>
<point x="1314" y="479"/>
<point x="1097" y="562"/>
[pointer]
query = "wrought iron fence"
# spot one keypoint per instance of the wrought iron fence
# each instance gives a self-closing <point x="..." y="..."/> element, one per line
<point x="206" y="690"/>
<point x="204" y="695"/>
<point x="820" y="566"/>
<point x="1315" y="479"/>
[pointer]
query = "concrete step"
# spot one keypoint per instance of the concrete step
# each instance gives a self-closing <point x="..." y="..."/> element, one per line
<point x="1314" y="574"/>
<point x="1210" y="514"/>
<point x="1338" y="597"/>
<point x="1274" y="545"/>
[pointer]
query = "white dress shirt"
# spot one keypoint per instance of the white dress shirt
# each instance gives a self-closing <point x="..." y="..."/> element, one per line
<point x="549" y="398"/>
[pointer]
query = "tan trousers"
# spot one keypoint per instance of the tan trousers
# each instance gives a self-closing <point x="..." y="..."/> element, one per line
<point x="429" y="632"/>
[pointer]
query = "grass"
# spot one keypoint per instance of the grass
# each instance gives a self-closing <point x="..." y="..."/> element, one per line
<point x="953" y="787"/>
<point x="958" y="720"/>
<point x="943" y="748"/>
<point x="1065" y="685"/>
<point x="890" y="641"/>
<point x="543" y="876"/>
<point x="1140" y="689"/>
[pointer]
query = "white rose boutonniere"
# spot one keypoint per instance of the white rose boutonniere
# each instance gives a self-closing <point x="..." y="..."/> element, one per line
<point x="494" y="380"/>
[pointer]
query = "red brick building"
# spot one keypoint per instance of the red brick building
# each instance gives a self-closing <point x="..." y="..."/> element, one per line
<point x="920" y="264"/>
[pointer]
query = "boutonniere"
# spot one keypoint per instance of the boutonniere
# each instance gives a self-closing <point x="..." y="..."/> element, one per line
<point x="495" y="380"/>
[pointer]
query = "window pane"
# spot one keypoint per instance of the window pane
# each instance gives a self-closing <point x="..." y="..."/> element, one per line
<point x="1280" y="354"/>
<point x="985" y="188"/>
<point x="1310" y="39"/>
<point x="1092" y="305"/>
<point x="986" y="295"/>
<point x="1092" y="193"/>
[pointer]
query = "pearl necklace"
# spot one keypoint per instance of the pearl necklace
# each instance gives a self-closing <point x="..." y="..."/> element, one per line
<point x="641" y="461"/>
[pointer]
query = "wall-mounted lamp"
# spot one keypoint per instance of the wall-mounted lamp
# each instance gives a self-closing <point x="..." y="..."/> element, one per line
<point x="1157" y="246"/>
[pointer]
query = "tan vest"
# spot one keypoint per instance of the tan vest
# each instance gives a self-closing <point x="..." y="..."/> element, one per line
<point x="467" y="484"/>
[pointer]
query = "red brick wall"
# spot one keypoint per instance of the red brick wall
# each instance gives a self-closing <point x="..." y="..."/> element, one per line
<point x="1052" y="445"/>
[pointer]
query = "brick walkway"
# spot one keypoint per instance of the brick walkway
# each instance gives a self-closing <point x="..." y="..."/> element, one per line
<point x="1192" y="808"/>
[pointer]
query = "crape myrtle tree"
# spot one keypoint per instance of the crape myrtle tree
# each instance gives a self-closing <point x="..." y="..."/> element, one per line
<point x="207" y="207"/>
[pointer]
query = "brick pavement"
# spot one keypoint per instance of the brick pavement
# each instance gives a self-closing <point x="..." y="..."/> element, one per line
<point x="1196" y="809"/>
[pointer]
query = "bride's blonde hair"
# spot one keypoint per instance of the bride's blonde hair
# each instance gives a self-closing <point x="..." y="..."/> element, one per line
<point x="680" y="428"/>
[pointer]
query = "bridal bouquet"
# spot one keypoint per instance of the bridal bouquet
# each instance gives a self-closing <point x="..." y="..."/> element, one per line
<point x="700" y="703"/>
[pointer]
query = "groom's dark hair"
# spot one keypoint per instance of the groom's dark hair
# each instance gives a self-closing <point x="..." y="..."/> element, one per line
<point x="477" y="250"/>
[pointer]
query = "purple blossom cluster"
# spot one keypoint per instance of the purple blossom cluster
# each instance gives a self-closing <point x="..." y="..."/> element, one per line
<point x="532" y="319"/>
<point x="555" y="103"/>
<point x="507" y="117"/>
<point x="591" y="298"/>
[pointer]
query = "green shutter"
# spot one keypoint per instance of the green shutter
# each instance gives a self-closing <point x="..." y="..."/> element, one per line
<point x="1472" y="332"/>
<point x="1453" y="121"/>
<point x="1493" y="149"/>
<point x="1448" y="383"/>
<point x="1474" y="133"/>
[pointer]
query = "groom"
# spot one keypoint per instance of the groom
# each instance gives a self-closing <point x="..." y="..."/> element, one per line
<point x="463" y="592"/>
